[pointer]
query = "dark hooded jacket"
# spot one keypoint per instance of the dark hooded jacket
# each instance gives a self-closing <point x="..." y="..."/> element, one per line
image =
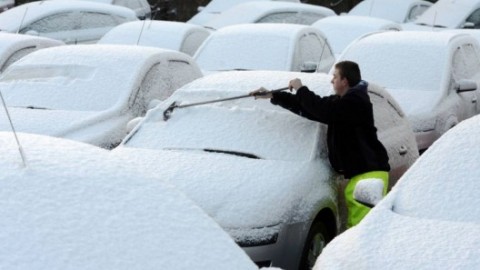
<point x="353" y="145"/>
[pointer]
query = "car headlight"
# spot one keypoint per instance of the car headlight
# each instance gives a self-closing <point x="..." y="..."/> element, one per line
<point x="256" y="236"/>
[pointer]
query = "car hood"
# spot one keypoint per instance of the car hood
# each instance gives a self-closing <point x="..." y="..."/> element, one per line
<point x="387" y="240"/>
<point x="237" y="192"/>
<point x="85" y="126"/>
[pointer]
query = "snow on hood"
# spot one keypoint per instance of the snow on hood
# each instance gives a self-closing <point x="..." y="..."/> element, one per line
<point x="448" y="13"/>
<point x="26" y="14"/>
<point x="162" y="34"/>
<point x="395" y="10"/>
<point x="105" y="215"/>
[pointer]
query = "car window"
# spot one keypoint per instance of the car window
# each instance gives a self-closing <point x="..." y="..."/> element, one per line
<point x="17" y="56"/>
<point x="465" y="62"/>
<point x="96" y="20"/>
<point x="192" y="42"/>
<point x="180" y="73"/>
<point x="387" y="115"/>
<point x="154" y="86"/>
<point x="54" y="23"/>
<point x="314" y="49"/>
<point x="416" y="11"/>
<point x="132" y="4"/>
<point x="305" y="18"/>
<point x="475" y="18"/>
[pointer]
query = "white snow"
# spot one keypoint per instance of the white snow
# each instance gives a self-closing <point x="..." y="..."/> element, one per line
<point x="394" y="10"/>
<point x="162" y="34"/>
<point x="76" y="207"/>
<point x="253" y="12"/>
<point x="448" y="13"/>
<point x="369" y="189"/>
<point x="351" y="28"/>
<point x="429" y="221"/>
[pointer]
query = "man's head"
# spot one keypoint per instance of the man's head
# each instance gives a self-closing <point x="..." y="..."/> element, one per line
<point x="346" y="75"/>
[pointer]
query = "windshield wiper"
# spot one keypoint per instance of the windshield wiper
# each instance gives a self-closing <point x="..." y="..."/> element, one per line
<point x="234" y="153"/>
<point x="31" y="107"/>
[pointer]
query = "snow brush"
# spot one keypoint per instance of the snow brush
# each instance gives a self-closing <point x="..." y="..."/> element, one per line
<point x="168" y="112"/>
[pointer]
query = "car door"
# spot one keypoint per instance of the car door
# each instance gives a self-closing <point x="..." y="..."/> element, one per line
<point x="60" y="26"/>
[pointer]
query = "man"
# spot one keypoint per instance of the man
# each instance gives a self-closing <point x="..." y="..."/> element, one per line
<point x="353" y="146"/>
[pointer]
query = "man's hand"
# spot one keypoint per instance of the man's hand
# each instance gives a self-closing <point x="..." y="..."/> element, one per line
<point x="261" y="93"/>
<point x="295" y="84"/>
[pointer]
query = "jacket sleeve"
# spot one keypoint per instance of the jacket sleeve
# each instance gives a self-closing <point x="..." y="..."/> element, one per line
<point x="291" y="103"/>
<point x="321" y="108"/>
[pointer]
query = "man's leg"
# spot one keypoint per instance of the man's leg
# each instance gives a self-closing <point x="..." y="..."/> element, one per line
<point x="356" y="210"/>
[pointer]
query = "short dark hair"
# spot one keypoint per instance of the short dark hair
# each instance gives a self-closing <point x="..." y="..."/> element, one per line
<point x="350" y="71"/>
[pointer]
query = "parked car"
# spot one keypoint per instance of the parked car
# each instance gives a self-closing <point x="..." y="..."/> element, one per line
<point x="90" y="92"/>
<point x="452" y="14"/>
<point x="351" y="28"/>
<point x="68" y="21"/>
<point x="434" y="76"/>
<point x="399" y="11"/>
<point x="430" y="220"/>
<point x="76" y="207"/>
<point x="216" y="7"/>
<point x="182" y="37"/>
<point x="260" y="171"/>
<point x="270" y="12"/>
<point x="6" y="4"/>
<point x="13" y="47"/>
<point x="285" y="47"/>
<point x="141" y="7"/>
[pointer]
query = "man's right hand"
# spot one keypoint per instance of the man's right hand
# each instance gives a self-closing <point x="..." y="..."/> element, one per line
<point x="261" y="93"/>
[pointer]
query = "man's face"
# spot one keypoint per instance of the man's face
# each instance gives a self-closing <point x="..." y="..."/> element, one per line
<point x="340" y="85"/>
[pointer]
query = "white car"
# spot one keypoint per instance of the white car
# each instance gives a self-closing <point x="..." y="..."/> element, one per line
<point x="6" y="4"/>
<point x="400" y="11"/>
<point x="270" y="12"/>
<point x="260" y="171"/>
<point x="340" y="31"/>
<point x="74" y="206"/>
<point x="182" y="37"/>
<point x="216" y="7"/>
<point x="141" y="7"/>
<point x="434" y="76"/>
<point x="13" y="47"/>
<point x="68" y="21"/>
<point x="430" y="220"/>
<point x="452" y="14"/>
<point x="285" y="47"/>
<point x="90" y="92"/>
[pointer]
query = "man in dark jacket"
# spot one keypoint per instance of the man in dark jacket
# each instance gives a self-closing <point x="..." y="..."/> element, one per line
<point x="353" y="147"/>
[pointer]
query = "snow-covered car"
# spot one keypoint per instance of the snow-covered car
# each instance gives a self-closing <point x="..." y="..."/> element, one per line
<point x="270" y="12"/>
<point x="430" y="220"/>
<point x="451" y="14"/>
<point x="340" y="31"/>
<point x="216" y="7"/>
<point x="285" y="47"/>
<point x="13" y="47"/>
<point x="399" y="11"/>
<point x="260" y="171"/>
<point x="434" y="76"/>
<point x="68" y="21"/>
<point x="6" y="4"/>
<point x="90" y="92"/>
<point x="141" y="7"/>
<point x="182" y="37"/>
<point x="74" y="206"/>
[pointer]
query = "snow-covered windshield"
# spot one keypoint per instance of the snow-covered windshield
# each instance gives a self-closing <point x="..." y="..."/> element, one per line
<point x="245" y="52"/>
<point x="63" y="87"/>
<point x="400" y="64"/>
<point x="251" y="132"/>
<point x="447" y="14"/>
<point x="394" y="10"/>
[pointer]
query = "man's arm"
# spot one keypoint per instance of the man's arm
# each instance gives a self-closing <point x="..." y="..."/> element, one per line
<point x="321" y="108"/>
<point x="290" y="102"/>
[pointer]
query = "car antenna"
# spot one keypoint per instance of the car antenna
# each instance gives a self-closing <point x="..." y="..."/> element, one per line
<point x="334" y="4"/>
<point x="141" y="32"/>
<point x="20" y="149"/>
<point x="371" y="8"/>
<point x="321" y="55"/>
<point x="23" y="18"/>
<point x="434" y="20"/>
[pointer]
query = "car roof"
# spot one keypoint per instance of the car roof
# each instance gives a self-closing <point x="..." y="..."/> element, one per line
<point x="386" y="8"/>
<point x="448" y="13"/>
<point x="265" y="29"/>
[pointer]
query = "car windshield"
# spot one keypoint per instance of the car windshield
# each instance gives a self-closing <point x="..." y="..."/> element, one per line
<point x="71" y="88"/>
<point x="245" y="132"/>
<point x="245" y="52"/>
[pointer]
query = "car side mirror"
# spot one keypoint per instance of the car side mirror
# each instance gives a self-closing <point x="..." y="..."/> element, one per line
<point x="466" y="86"/>
<point x="153" y="103"/>
<point x="309" y="67"/>
<point x="133" y="123"/>
<point x="469" y="25"/>
<point x="369" y="191"/>
<point x="200" y="8"/>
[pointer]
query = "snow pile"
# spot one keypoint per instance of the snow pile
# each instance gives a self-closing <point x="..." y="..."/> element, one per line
<point x="369" y="189"/>
<point x="394" y="10"/>
<point x="161" y="34"/>
<point x="448" y="13"/>
<point x="108" y="215"/>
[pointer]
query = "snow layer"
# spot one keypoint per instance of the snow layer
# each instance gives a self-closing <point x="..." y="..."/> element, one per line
<point x="351" y="28"/>
<point x="394" y="10"/>
<point x="162" y="34"/>
<point x="448" y="13"/>
<point x="25" y="14"/>
<point x="251" y="12"/>
<point x="106" y="215"/>
<point x="429" y="221"/>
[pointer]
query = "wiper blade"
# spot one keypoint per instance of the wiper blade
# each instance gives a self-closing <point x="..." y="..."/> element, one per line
<point x="31" y="107"/>
<point x="234" y="153"/>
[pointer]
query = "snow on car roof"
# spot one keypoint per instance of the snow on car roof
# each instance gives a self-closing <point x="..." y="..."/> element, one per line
<point x="11" y="19"/>
<point x="250" y="12"/>
<point x="351" y="27"/>
<point x="448" y="13"/>
<point x="76" y="207"/>
<point x="221" y="5"/>
<point x="389" y="9"/>
<point x="104" y="76"/>
<point x="163" y="34"/>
